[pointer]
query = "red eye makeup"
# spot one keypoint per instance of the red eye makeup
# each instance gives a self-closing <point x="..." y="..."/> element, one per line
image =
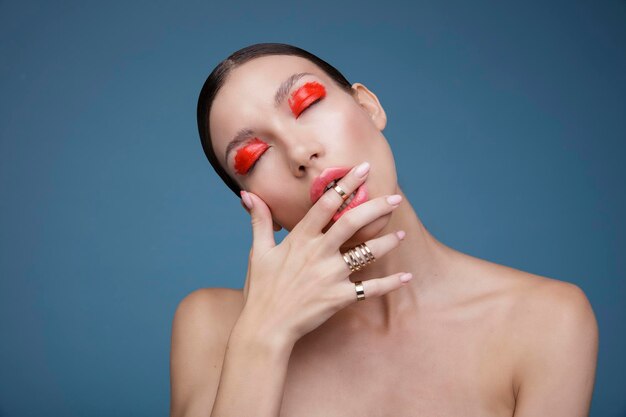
<point x="305" y="96"/>
<point x="248" y="154"/>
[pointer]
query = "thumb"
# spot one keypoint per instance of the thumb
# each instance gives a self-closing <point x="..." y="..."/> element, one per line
<point x="262" y="224"/>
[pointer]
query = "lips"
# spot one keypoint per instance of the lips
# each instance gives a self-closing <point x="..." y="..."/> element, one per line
<point x="360" y="196"/>
<point x="328" y="175"/>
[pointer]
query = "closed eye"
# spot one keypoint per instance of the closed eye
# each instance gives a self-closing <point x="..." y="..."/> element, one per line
<point x="246" y="157"/>
<point x="305" y="96"/>
<point x="257" y="160"/>
<point x="317" y="100"/>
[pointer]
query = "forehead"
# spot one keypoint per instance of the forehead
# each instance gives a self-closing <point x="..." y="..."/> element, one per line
<point x="247" y="95"/>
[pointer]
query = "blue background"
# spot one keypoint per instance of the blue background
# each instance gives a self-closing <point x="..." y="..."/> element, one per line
<point x="507" y="120"/>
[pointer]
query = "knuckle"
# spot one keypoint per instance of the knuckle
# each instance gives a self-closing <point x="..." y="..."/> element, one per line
<point x="349" y="184"/>
<point x="392" y="240"/>
<point x="375" y="248"/>
<point x="343" y="297"/>
<point x="383" y="205"/>
<point x="350" y="221"/>
<point x="328" y="202"/>
<point x="289" y="246"/>
<point x="291" y="240"/>
<point x="334" y="297"/>
<point x="371" y="287"/>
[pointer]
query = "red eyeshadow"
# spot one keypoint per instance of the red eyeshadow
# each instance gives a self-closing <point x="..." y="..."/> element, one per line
<point x="245" y="156"/>
<point x="306" y="95"/>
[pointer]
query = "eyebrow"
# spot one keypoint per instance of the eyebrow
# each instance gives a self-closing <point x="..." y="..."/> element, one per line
<point x="284" y="88"/>
<point x="279" y="97"/>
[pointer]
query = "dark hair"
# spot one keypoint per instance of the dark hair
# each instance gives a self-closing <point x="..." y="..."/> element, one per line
<point x="216" y="80"/>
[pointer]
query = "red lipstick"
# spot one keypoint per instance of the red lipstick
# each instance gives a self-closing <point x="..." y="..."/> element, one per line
<point x="245" y="157"/>
<point x="361" y="194"/>
<point x="306" y="95"/>
<point x="320" y="183"/>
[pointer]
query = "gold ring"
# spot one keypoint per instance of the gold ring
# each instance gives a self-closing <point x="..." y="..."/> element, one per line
<point x="358" y="257"/>
<point x="366" y="251"/>
<point x="341" y="192"/>
<point x="360" y="291"/>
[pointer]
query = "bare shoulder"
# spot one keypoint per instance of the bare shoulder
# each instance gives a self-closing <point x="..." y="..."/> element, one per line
<point x="206" y="316"/>
<point x="548" y="324"/>
<point x="211" y="303"/>
<point x="542" y="326"/>
<point x="534" y="299"/>
<point x="539" y="304"/>
<point x="550" y="319"/>
<point x="200" y="331"/>
<point x="543" y="303"/>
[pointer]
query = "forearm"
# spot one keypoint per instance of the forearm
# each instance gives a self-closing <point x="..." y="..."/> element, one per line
<point x="253" y="375"/>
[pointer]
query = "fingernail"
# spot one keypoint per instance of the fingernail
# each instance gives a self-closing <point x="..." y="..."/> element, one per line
<point x="394" y="199"/>
<point x="401" y="234"/>
<point x="246" y="199"/>
<point x="406" y="277"/>
<point x="362" y="169"/>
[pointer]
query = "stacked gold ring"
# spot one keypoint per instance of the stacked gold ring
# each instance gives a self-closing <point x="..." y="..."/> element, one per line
<point x="358" y="257"/>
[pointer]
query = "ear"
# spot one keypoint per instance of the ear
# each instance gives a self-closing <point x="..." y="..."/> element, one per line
<point x="277" y="227"/>
<point x="370" y="104"/>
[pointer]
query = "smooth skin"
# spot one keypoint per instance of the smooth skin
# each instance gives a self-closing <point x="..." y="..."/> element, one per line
<point x="306" y="290"/>
<point x="464" y="337"/>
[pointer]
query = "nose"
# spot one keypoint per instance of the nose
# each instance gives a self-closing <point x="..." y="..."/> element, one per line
<point x="302" y="153"/>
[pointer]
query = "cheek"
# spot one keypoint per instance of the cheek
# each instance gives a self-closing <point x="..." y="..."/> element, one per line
<point x="355" y="138"/>
<point x="289" y="210"/>
<point x="349" y="129"/>
<point x="284" y="201"/>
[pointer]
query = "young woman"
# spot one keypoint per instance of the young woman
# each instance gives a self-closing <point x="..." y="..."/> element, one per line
<point x="359" y="311"/>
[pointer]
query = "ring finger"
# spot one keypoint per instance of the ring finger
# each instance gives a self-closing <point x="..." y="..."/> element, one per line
<point x="378" y="246"/>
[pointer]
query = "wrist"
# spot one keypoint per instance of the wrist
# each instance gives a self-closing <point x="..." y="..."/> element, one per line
<point x="252" y="333"/>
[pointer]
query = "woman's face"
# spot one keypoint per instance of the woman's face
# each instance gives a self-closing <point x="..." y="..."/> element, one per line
<point x="287" y="145"/>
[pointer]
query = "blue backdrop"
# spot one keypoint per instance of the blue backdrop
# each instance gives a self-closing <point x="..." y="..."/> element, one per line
<point x="507" y="120"/>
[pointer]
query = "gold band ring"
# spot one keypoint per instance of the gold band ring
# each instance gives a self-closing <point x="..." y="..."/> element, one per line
<point x="360" y="291"/>
<point x="341" y="192"/>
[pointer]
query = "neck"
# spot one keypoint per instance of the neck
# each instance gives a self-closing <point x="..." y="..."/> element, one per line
<point x="430" y="262"/>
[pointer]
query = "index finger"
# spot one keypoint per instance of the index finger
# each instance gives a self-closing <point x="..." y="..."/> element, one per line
<point x="325" y="208"/>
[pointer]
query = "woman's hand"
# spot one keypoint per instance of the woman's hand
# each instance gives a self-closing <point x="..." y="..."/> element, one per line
<point x="294" y="287"/>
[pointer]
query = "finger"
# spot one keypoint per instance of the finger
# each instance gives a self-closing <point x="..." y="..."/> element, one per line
<point x="376" y="287"/>
<point x="262" y="224"/>
<point x="379" y="247"/>
<point x="325" y="208"/>
<point x="358" y="217"/>
<point x="246" y="284"/>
